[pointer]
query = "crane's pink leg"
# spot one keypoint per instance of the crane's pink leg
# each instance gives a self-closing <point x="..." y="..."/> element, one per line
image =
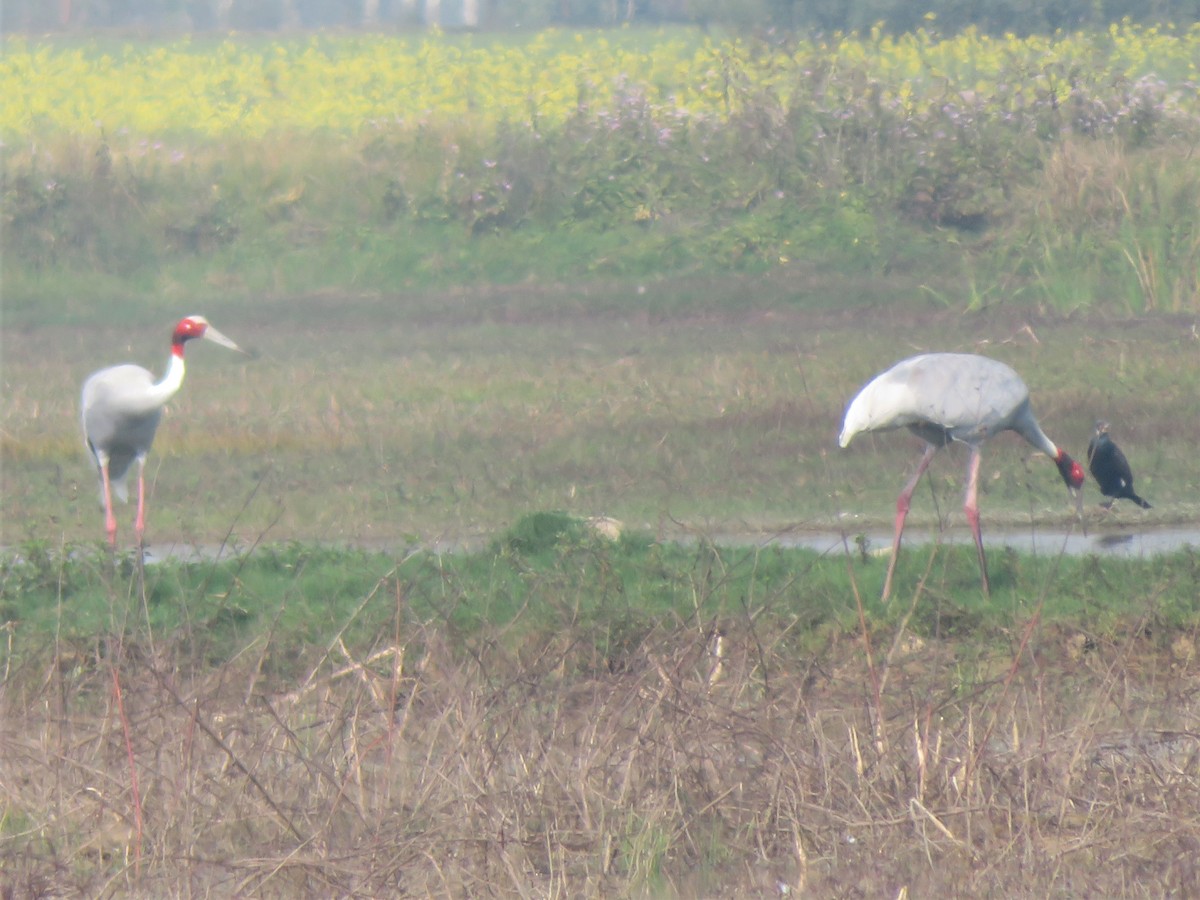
<point x="903" y="502"/>
<point x="140" y="524"/>
<point x="110" y="520"/>
<point x="971" y="508"/>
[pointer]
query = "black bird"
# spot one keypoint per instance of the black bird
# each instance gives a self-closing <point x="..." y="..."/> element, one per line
<point x="1110" y="468"/>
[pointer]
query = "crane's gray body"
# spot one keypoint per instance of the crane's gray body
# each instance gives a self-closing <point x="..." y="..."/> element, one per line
<point x="944" y="397"/>
<point x="121" y="412"/>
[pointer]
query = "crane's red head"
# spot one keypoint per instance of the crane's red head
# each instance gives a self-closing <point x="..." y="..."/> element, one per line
<point x="197" y="327"/>
<point x="188" y="328"/>
<point x="1072" y="474"/>
<point x="1070" y="470"/>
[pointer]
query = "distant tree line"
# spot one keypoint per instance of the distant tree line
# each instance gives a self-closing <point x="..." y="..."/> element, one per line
<point x="821" y="16"/>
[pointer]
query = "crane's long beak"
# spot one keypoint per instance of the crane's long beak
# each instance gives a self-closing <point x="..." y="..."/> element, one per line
<point x="213" y="335"/>
<point x="1077" y="495"/>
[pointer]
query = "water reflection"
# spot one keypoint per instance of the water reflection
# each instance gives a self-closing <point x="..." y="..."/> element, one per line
<point x="1127" y="544"/>
<point x="1039" y="541"/>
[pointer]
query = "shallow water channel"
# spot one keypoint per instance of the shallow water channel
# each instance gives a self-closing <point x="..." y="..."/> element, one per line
<point x="1126" y="543"/>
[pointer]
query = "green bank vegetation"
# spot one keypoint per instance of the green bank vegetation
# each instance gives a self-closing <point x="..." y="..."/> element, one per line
<point x="1052" y="172"/>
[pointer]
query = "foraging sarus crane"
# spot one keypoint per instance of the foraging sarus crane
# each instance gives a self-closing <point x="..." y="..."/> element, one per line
<point x="121" y="408"/>
<point x="944" y="397"/>
<point x="1110" y="468"/>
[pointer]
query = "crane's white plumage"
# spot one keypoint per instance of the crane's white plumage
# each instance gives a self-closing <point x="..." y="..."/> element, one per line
<point x="945" y="397"/>
<point x="121" y="408"/>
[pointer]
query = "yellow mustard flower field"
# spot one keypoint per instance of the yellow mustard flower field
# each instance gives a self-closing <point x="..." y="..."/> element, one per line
<point x="250" y="86"/>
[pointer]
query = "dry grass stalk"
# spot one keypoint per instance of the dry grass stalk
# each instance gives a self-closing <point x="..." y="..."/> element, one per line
<point x="423" y="768"/>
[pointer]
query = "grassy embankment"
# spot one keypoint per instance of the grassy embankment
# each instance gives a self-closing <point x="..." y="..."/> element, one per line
<point x="687" y="304"/>
<point x="1053" y="171"/>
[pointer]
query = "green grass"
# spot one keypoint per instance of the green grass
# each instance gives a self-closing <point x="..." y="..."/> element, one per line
<point x="716" y="405"/>
<point x="548" y="577"/>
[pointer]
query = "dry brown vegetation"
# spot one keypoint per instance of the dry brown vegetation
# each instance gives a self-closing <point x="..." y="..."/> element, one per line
<point x="685" y="763"/>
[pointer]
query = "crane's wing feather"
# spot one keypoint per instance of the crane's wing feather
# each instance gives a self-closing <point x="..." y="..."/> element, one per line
<point x="116" y="420"/>
<point x="946" y="396"/>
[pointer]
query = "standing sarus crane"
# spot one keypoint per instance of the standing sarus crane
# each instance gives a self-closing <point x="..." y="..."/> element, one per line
<point x="1110" y="468"/>
<point x="121" y="408"/>
<point x="945" y="397"/>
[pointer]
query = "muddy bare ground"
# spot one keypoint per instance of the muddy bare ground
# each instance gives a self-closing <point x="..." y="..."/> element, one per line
<point x="371" y="418"/>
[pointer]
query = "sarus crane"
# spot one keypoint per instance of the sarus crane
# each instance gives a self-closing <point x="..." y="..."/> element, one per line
<point x="121" y="407"/>
<point x="945" y="397"/>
